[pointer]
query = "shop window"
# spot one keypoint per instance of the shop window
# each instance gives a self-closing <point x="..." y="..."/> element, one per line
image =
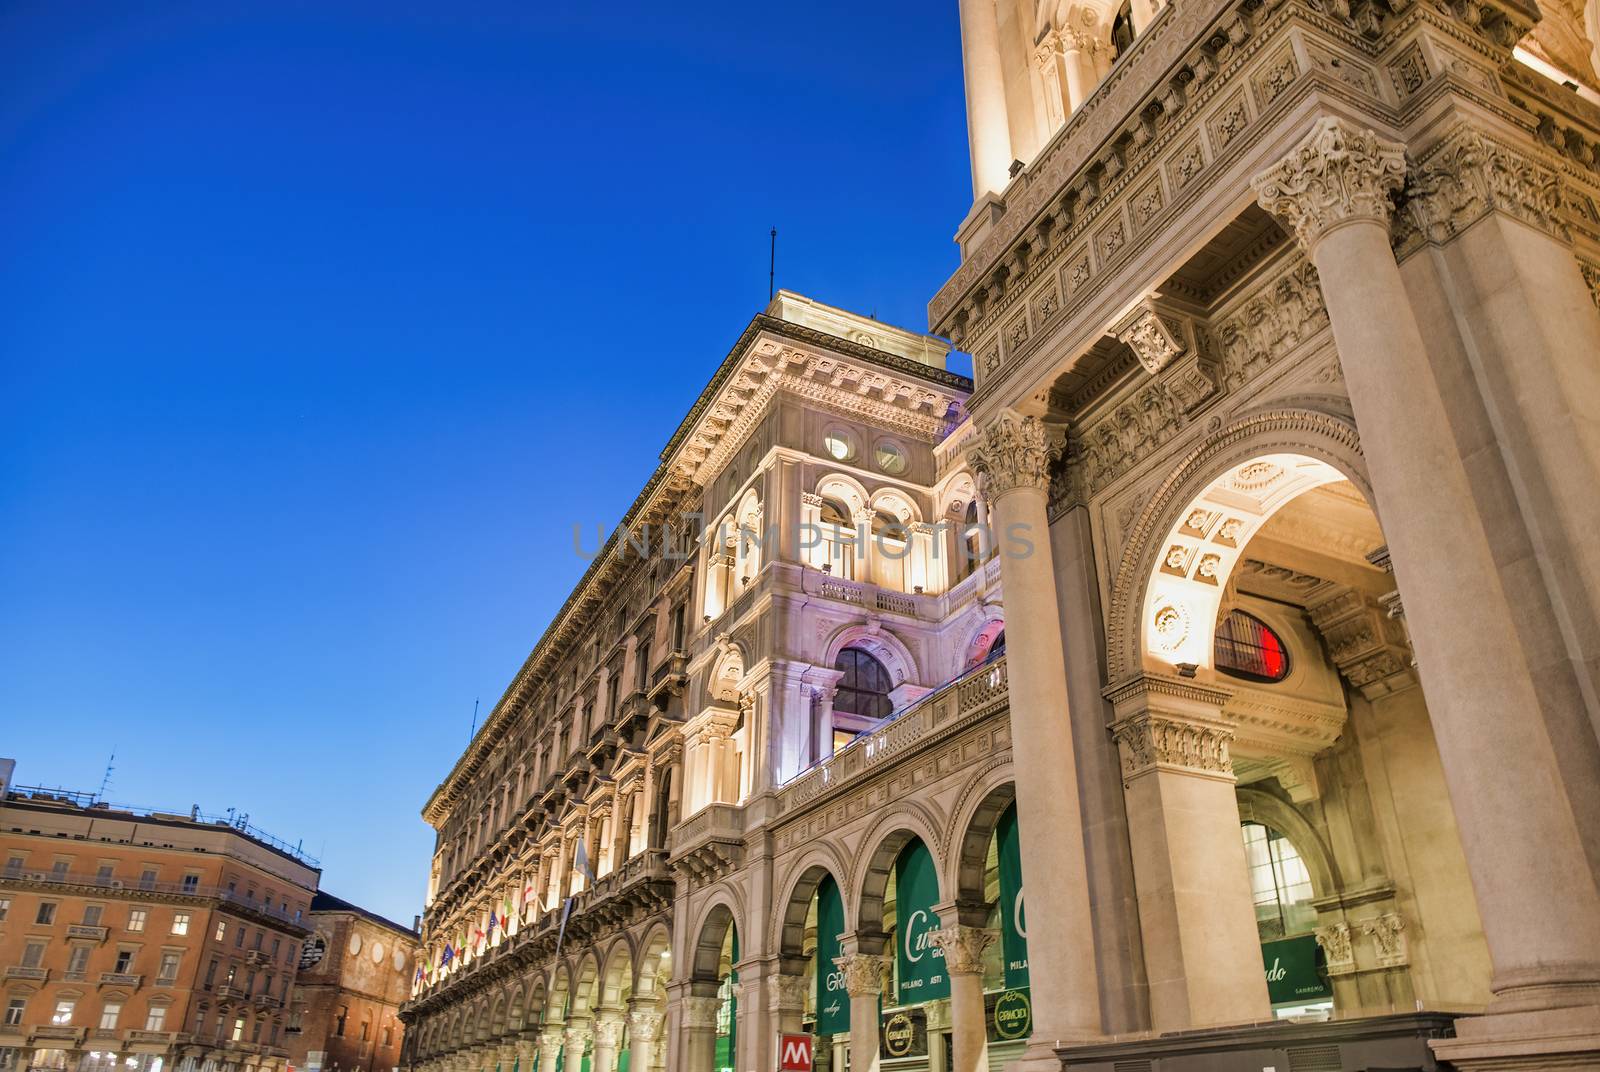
<point x="864" y="688"/>
<point x="1280" y="884"/>
<point x="1248" y="649"/>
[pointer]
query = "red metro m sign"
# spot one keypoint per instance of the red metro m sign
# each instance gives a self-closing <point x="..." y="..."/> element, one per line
<point x="794" y="1053"/>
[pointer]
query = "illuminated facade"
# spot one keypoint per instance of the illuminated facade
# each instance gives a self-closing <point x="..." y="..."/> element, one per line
<point x="1117" y="620"/>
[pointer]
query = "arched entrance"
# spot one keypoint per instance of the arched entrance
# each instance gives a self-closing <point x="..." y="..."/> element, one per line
<point x="711" y="1011"/>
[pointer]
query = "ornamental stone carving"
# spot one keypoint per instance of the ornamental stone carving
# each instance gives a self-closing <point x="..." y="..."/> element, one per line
<point x="700" y="1012"/>
<point x="788" y="993"/>
<point x="1014" y="452"/>
<point x="1148" y="742"/>
<point x="1468" y="175"/>
<point x="608" y="1031"/>
<point x="1339" y="174"/>
<point x="550" y="1041"/>
<point x="863" y="973"/>
<point x="1156" y="335"/>
<point x="576" y="1034"/>
<point x="1335" y="942"/>
<point x="645" y="1024"/>
<point x="1388" y="939"/>
<point x="963" y="947"/>
<point x="1365" y="642"/>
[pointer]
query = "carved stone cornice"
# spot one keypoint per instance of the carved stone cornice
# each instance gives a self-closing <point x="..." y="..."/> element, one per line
<point x="1170" y="724"/>
<point x="963" y="947"/>
<point x="1367" y="644"/>
<point x="1339" y="174"/>
<point x="1467" y="175"/>
<point x="1013" y="451"/>
<point x="863" y="973"/>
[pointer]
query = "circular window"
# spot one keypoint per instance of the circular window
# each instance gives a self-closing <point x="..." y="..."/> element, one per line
<point x="1247" y="648"/>
<point x="891" y="459"/>
<point x="377" y="952"/>
<point x="839" y="445"/>
<point x="355" y="944"/>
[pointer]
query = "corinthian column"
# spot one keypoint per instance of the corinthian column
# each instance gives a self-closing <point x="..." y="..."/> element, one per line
<point x="863" y="981"/>
<point x="550" y="1040"/>
<point x="1535" y="891"/>
<point x="575" y="1040"/>
<point x="607" y="1039"/>
<point x="699" y="1019"/>
<point x="644" y="1035"/>
<point x="963" y="949"/>
<point x="1012" y="458"/>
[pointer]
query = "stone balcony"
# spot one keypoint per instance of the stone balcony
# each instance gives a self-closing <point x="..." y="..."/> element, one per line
<point x="37" y="975"/>
<point x="127" y="979"/>
<point x="982" y="690"/>
<point x="83" y="930"/>
<point x="709" y="843"/>
<point x="59" y="1033"/>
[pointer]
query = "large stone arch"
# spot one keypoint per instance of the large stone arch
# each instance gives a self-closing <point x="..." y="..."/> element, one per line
<point x="497" y="1016"/>
<point x="1269" y="810"/>
<point x="907" y="821"/>
<point x="985" y="796"/>
<point x="654" y="951"/>
<point x="800" y="883"/>
<point x="1318" y="434"/>
<point x="616" y="973"/>
<point x="844" y="489"/>
<point x="559" y="1004"/>
<point x="538" y="998"/>
<point x="705" y="954"/>
<point x="585" y="981"/>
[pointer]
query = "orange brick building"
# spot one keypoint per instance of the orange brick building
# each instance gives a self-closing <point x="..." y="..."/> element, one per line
<point x="355" y="971"/>
<point x="144" y="942"/>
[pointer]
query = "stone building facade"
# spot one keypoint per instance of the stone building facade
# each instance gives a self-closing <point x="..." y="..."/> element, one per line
<point x="356" y="969"/>
<point x="1245" y="608"/>
<point x="144" y="942"/>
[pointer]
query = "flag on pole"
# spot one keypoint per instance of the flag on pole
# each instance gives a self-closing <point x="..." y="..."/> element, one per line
<point x="580" y="861"/>
<point x="566" y="911"/>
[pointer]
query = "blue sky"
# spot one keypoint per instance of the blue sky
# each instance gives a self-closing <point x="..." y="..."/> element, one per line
<point x="323" y="324"/>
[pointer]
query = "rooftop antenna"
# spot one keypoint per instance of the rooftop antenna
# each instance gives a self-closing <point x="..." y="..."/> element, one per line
<point x="772" y="266"/>
<point x="474" y="731"/>
<point x="106" y="781"/>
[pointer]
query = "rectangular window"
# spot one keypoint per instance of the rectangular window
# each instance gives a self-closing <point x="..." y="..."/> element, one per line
<point x="365" y="1029"/>
<point x="180" y="923"/>
<point x="233" y="970"/>
<point x="46" y="914"/>
<point x="169" y="968"/>
<point x="255" y="1031"/>
<point x="78" y="960"/>
<point x="124" y="961"/>
<point x="238" y="937"/>
<point x="257" y="943"/>
<point x="14" y="865"/>
<point x="108" y="1015"/>
<point x="222" y="929"/>
<point x="5" y="908"/>
<point x="136" y="918"/>
<point x="274" y="1033"/>
<point x="156" y="1018"/>
<point x="275" y="943"/>
<point x="33" y="954"/>
<point x="102" y="875"/>
<point x="238" y="1029"/>
<point x="91" y="915"/>
<point x="677" y="627"/>
<point x="338" y="1025"/>
<point x="63" y="1014"/>
<point x="191" y="883"/>
<point x="388" y="1037"/>
<point x="58" y="870"/>
<point x="211" y="974"/>
<point x="14" y="1010"/>
<point x="147" y="879"/>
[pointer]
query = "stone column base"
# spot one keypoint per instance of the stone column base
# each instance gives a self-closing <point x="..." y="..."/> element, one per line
<point x="1551" y="1039"/>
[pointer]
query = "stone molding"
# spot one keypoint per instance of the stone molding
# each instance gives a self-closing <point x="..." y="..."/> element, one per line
<point x="963" y="947"/>
<point x="1150" y="742"/>
<point x="1365" y="641"/>
<point x="1014" y="452"/>
<point x="863" y="973"/>
<point x="1466" y="176"/>
<point x="1338" y="174"/>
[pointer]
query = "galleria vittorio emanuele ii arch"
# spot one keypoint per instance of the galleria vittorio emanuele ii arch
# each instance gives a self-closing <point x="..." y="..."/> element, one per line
<point x="1210" y="682"/>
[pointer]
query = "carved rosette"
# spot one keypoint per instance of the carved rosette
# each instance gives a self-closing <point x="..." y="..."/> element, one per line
<point x="1014" y="452"/>
<point x="863" y="973"/>
<point x="963" y="947"/>
<point x="700" y="1011"/>
<point x="1467" y="175"/>
<point x="1335" y="942"/>
<point x="1339" y="174"/>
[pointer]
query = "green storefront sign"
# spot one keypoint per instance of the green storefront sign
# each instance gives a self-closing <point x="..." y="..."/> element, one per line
<point x="833" y="1002"/>
<point x="1008" y="1015"/>
<point x="919" y="963"/>
<point x="1013" y="920"/>
<point x="1294" y="970"/>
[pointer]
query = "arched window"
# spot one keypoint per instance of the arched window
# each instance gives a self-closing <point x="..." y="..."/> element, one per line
<point x="1248" y="648"/>
<point x="890" y="536"/>
<point x="1280" y="884"/>
<point x="1122" y="29"/>
<point x="838" y="537"/>
<point x="864" y="688"/>
<point x="998" y="648"/>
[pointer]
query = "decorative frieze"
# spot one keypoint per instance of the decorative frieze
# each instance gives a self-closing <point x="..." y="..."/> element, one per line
<point x="1340" y="173"/>
<point x="1280" y="315"/>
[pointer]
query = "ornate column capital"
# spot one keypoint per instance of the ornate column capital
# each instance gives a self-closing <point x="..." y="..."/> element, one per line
<point x="963" y="947"/>
<point x="1388" y="938"/>
<point x="576" y="1033"/>
<point x="551" y="1040"/>
<point x="1172" y="725"/>
<point x="863" y="973"/>
<point x="1339" y="174"/>
<point x="644" y="1022"/>
<point x="608" y="1029"/>
<point x="1012" y="452"/>
<point x="700" y="1012"/>
<point x="1466" y="175"/>
<point x="1336" y="947"/>
<point x="788" y="993"/>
